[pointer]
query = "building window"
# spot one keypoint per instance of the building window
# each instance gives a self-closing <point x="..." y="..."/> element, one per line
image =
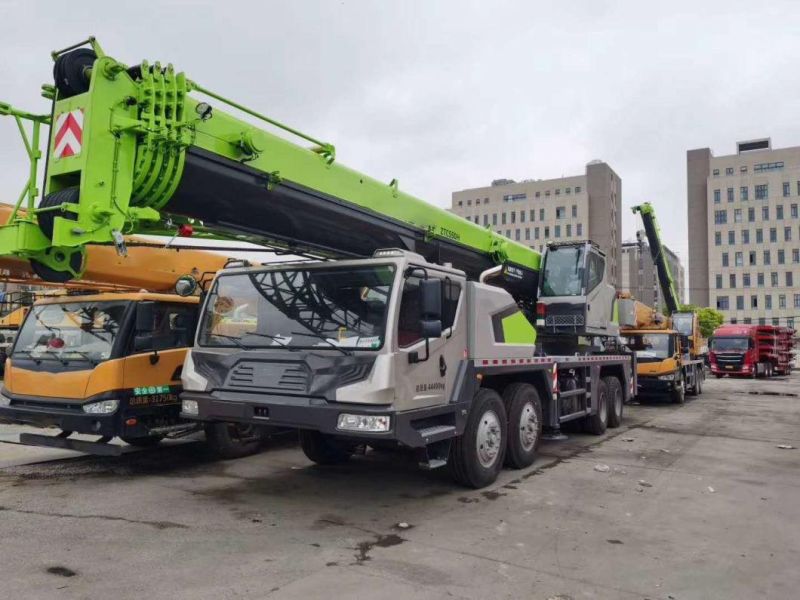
<point x="547" y="192"/>
<point x="508" y="233"/>
<point x="541" y="214"/>
<point x="527" y="233"/>
<point x="516" y="235"/>
<point x="776" y="321"/>
<point x="546" y="232"/>
<point x="773" y="166"/>
<point x="561" y="212"/>
<point x="558" y="231"/>
<point x="765" y="213"/>
<point x="494" y="218"/>
<point x="577" y="189"/>
<point x="787" y="191"/>
<point x="781" y="300"/>
<point x="513" y="216"/>
<point x="751" y="215"/>
<point x="793" y="211"/>
<point x="579" y="229"/>
<point x="732" y="281"/>
<point x="730" y="194"/>
<point x="725" y="259"/>
<point x="743" y="192"/>
<point x="759" y="236"/>
<point x="486" y="219"/>
<point x="728" y="170"/>
<point x="768" y="302"/>
<point x="797" y="300"/>
<point x="716" y="172"/>
<point x="720" y="217"/>
<point x="568" y="190"/>
<point x="773" y="279"/>
<point x="746" y="280"/>
<point x="739" y="302"/>
<point x="536" y="233"/>
<point x="574" y="211"/>
<point x="719" y="281"/>
<point x="461" y="202"/>
<point x="753" y="301"/>
<point x="767" y="258"/>
<point x="795" y="256"/>
<point x="762" y="191"/>
<point x="569" y="229"/>
<point x="739" y="259"/>
<point x="773" y="234"/>
<point x="737" y="215"/>
<point x="789" y="279"/>
<point x="743" y="169"/>
<point x="522" y="216"/>
<point x="469" y="202"/>
<point x="538" y="194"/>
<point x="558" y="191"/>
<point x="760" y="280"/>
<point x="722" y="302"/>
<point x="779" y="212"/>
<point x="753" y="257"/>
<point x="787" y="234"/>
<point x="745" y="236"/>
<point x="716" y="197"/>
<point x="781" y="257"/>
<point x="486" y="201"/>
<point x="790" y="322"/>
<point x="731" y="238"/>
<point x="762" y="321"/>
<point x="718" y="238"/>
<point x="514" y="197"/>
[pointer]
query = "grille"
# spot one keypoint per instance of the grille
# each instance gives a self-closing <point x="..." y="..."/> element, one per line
<point x="734" y="360"/>
<point x="287" y="377"/>
<point x="564" y="320"/>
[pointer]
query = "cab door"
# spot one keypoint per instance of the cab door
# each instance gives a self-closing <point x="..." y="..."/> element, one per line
<point x="152" y="371"/>
<point x="425" y="377"/>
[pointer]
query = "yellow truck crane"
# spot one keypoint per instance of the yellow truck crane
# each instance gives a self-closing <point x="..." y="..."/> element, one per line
<point x="667" y="348"/>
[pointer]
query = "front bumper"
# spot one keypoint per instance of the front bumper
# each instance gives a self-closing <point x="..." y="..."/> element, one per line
<point x="413" y="428"/>
<point x="654" y="385"/>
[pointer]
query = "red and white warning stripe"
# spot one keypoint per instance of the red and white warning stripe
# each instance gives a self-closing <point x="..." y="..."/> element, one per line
<point x="68" y="134"/>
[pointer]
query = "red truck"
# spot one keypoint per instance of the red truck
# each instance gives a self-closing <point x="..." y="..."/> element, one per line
<point x="751" y="350"/>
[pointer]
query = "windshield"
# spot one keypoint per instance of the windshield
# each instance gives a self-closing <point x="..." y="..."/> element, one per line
<point x="683" y="322"/>
<point x="70" y="331"/>
<point x="563" y="272"/>
<point x="341" y="307"/>
<point x="730" y="344"/>
<point x="651" y="346"/>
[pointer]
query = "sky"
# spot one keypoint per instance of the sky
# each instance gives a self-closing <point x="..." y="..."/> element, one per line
<point x="453" y="94"/>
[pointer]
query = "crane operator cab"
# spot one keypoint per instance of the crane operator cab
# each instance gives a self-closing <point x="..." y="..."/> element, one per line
<point x="574" y="294"/>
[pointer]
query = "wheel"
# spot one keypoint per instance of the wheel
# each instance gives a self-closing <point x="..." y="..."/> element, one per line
<point x="524" y="410"/>
<point x="476" y="456"/>
<point x="596" y="424"/>
<point x="615" y="401"/>
<point x="70" y="72"/>
<point x="719" y="375"/>
<point x="678" y="395"/>
<point x="695" y="389"/>
<point x="233" y="440"/>
<point x="698" y="387"/>
<point x="323" y="449"/>
<point x="143" y="442"/>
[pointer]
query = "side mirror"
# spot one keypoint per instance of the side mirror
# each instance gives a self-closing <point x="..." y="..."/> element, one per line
<point x="145" y="316"/>
<point x="185" y="285"/>
<point x="431" y="308"/>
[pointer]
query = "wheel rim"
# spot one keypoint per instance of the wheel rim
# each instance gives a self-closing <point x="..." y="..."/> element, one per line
<point x="602" y="407"/>
<point x="528" y="427"/>
<point x="489" y="438"/>
<point x="240" y="432"/>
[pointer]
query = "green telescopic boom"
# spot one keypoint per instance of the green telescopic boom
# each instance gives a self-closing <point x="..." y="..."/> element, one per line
<point x="143" y="149"/>
<point x="658" y="253"/>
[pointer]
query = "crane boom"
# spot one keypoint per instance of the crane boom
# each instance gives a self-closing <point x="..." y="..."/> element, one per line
<point x="132" y="149"/>
<point x="658" y="253"/>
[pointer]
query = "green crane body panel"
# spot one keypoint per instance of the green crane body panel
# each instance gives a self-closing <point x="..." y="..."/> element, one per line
<point x="659" y="256"/>
<point x="145" y="156"/>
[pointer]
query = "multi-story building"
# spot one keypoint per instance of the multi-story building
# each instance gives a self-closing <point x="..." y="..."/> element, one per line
<point x="534" y="212"/>
<point x="744" y="232"/>
<point x="638" y="273"/>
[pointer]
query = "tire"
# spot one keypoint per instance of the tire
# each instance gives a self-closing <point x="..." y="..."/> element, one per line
<point x="69" y="72"/>
<point x="233" y="440"/>
<point x="46" y="224"/>
<point x="597" y="423"/>
<point x="323" y="449"/>
<point x="524" y="411"/>
<point x="476" y="456"/>
<point x="693" y="390"/>
<point x="718" y="375"/>
<point x="143" y="442"/>
<point x="678" y="396"/>
<point x="615" y="401"/>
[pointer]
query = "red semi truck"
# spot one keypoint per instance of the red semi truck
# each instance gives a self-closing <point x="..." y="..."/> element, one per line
<point x="751" y="350"/>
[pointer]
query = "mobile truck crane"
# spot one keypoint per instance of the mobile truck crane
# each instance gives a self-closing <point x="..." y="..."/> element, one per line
<point x="422" y="330"/>
<point x="108" y="364"/>
<point x="667" y="349"/>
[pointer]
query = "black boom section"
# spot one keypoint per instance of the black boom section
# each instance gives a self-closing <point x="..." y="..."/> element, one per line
<point x="232" y="196"/>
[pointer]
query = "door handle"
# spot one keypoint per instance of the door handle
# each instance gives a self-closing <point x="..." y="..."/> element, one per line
<point x="442" y="366"/>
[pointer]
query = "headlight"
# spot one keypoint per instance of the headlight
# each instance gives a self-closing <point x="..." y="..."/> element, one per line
<point x="190" y="407"/>
<point x="104" y="407"/>
<point x="670" y="377"/>
<point x="371" y="423"/>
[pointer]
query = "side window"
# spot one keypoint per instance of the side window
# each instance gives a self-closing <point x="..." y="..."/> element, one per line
<point x="174" y="325"/>
<point x="408" y="332"/>
<point x="596" y="269"/>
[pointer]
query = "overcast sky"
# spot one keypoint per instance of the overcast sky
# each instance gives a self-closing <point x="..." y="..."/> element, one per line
<point x="450" y="95"/>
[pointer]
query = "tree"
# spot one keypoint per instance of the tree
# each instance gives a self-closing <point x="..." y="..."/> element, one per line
<point x="708" y="318"/>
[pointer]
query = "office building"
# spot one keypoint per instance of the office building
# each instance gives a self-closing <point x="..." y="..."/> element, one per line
<point x="744" y="232"/>
<point x="534" y="212"/>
